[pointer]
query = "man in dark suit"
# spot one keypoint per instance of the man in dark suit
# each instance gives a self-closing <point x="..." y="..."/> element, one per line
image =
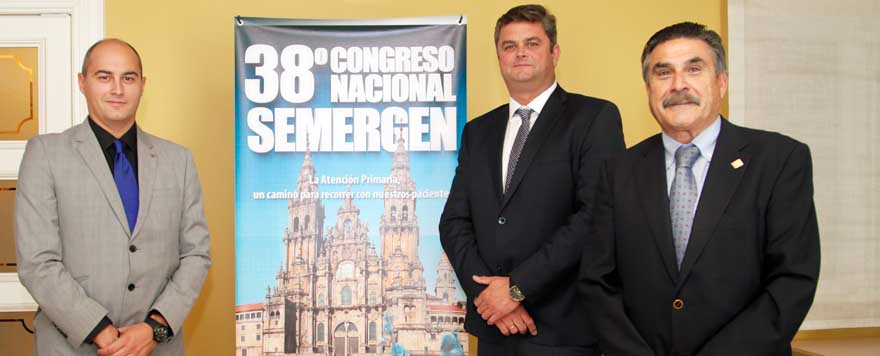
<point x="705" y="239"/>
<point x="520" y="204"/>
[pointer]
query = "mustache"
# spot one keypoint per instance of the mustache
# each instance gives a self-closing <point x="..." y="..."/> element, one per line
<point x="679" y="99"/>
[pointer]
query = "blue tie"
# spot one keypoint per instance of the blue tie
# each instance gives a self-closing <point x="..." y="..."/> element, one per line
<point x="683" y="198"/>
<point x="126" y="183"/>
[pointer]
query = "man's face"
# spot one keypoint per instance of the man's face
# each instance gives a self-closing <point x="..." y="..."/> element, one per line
<point x="112" y="85"/>
<point x="525" y="55"/>
<point x="684" y="92"/>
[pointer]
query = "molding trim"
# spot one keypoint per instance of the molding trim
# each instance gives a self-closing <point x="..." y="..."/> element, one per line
<point x="824" y="334"/>
<point x="13" y="296"/>
<point x="736" y="60"/>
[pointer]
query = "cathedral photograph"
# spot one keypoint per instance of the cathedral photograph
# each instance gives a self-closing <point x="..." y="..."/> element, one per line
<point x="339" y="293"/>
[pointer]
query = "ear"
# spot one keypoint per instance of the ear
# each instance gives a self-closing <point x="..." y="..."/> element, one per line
<point x="722" y="84"/>
<point x="80" y="78"/>
<point x="555" y="52"/>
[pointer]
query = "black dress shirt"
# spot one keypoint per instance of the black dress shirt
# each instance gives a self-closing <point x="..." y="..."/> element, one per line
<point x="129" y="145"/>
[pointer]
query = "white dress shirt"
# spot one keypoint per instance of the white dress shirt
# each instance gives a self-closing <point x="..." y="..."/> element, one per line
<point x="514" y="122"/>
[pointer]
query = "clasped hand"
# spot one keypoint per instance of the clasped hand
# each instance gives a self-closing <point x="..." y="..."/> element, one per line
<point x="136" y="339"/>
<point x="496" y="306"/>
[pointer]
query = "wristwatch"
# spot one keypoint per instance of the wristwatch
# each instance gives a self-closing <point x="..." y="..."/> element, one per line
<point x="161" y="333"/>
<point x="516" y="294"/>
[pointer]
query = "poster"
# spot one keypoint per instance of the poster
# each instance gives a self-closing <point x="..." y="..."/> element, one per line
<point x="347" y="134"/>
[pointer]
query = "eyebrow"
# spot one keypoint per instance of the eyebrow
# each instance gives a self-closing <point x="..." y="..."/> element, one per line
<point x="533" y="38"/>
<point x="101" y="71"/>
<point x="661" y="65"/>
<point x="695" y="60"/>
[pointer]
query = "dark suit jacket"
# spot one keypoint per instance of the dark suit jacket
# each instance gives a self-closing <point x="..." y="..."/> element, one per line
<point x="749" y="273"/>
<point x="535" y="233"/>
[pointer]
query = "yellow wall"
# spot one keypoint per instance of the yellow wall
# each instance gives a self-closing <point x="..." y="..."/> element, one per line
<point x="187" y="49"/>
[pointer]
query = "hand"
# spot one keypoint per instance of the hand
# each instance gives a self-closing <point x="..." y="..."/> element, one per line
<point x="135" y="339"/>
<point x="494" y="302"/>
<point x="517" y="321"/>
<point x="106" y="336"/>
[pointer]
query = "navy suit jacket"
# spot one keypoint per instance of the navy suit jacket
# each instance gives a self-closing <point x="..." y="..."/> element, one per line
<point x="535" y="232"/>
<point x="750" y="269"/>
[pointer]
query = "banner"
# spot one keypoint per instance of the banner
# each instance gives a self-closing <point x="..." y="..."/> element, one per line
<point x="346" y="140"/>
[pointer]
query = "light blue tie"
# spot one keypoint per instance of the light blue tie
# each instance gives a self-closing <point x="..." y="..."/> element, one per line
<point x="683" y="198"/>
<point x="126" y="183"/>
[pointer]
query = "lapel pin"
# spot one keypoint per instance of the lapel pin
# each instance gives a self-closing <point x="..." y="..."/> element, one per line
<point x="736" y="164"/>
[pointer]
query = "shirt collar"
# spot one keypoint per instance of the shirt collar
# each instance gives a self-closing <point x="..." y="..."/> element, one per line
<point x="537" y="104"/>
<point x="705" y="141"/>
<point x="105" y="139"/>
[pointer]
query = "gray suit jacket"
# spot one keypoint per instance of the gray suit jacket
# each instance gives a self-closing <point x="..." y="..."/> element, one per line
<point x="76" y="255"/>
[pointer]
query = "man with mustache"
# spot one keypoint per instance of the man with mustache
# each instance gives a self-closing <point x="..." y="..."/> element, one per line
<point x="705" y="240"/>
<point x="520" y="204"/>
<point x="110" y="229"/>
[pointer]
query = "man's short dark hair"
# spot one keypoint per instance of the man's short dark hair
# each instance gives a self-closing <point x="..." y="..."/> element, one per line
<point x="686" y="30"/>
<point x="85" y="62"/>
<point x="529" y="13"/>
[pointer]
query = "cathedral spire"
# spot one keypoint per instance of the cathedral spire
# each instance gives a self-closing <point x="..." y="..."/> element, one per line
<point x="306" y="180"/>
<point x="400" y="163"/>
<point x="348" y="204"/>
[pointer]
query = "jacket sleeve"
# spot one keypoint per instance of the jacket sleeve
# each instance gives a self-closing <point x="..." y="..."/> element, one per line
<point x="183" y="287"/>
<point x="39" y="250"/>
<point x="457" y="235"/>
<point x="599" y="283"/>
<point x="791" y="264"/>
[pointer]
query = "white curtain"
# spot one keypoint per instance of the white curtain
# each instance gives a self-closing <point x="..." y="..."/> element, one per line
<point x="810" y="69"/>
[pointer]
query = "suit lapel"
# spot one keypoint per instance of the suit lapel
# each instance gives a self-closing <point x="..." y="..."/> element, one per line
<point x="496" y="148"/>
<point x="548" y="118"/>
<point x="146" y="176"/>
<point x="88" y="148"/>
<point x="656" y="200"/>
<point x="721" y="182"/>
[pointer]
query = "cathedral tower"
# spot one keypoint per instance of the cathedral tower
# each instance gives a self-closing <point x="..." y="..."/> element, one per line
<point x="445" y="287"/>
<point x="399" y="226"/>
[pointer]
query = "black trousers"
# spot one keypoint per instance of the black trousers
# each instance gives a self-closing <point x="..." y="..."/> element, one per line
<point x="522" y="347"/>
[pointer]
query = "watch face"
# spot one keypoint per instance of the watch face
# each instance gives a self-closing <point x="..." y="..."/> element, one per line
<point x="160" y="334"/>
<point x="516" y="294"/>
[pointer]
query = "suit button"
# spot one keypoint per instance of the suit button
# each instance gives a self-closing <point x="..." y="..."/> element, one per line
<point x="499" y="269"/>
<point x="131" y="287"/>
<point x="502" y="220"/>
<point x="132" y="248"/>
<point x="678" y="304"/>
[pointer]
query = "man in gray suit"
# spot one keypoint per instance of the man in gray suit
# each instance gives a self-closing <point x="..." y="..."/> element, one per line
<point x="109" y="223"/>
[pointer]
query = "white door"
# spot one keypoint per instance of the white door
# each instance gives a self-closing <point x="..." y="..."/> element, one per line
<point x="42" y="85"/>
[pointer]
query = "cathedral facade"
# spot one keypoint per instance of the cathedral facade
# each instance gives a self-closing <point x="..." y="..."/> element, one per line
<point x="336" y="295"/>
